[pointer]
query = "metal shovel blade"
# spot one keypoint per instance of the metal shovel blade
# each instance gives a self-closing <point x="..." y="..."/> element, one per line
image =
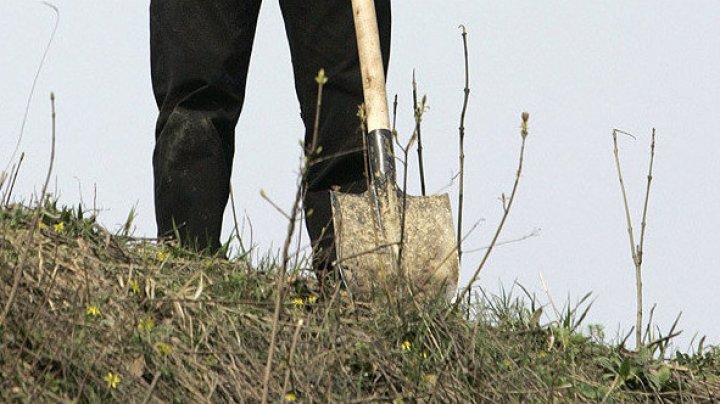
<point x="427" y="254"/>
<point x="383" y="241"/>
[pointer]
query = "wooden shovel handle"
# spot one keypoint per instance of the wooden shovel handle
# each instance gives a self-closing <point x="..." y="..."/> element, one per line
<point x="371" y="64"/>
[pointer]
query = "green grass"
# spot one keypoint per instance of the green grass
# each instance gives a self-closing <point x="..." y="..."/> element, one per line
<point x="173" y="326"/>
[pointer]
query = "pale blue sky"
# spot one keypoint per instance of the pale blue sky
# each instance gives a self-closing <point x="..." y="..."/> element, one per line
<point x="579" y="68"/>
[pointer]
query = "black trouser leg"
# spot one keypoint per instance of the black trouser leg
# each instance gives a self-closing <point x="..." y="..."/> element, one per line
<point x="200" y="52"/>
<point x="322" y="36"/>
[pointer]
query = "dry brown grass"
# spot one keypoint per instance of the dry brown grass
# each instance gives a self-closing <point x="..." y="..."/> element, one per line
<point x="178" y="327"/>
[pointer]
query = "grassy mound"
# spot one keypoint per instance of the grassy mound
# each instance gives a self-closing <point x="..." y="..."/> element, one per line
<point x="94" y="316"/>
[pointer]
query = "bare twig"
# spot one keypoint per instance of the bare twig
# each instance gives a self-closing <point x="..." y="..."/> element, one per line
<point x="235" y="221"/>
<point x="14" y="172"/>
<point x="624" y="194"/>
<point x="279" y="292"/>
<point x="148" y="395"/>
<point x="33" y="226"/>
<point x="633" y="251"/>
<point x="403" y="209"/>
<point x="326" y="157"/>
<point x="547" y="293"/>
<point x="418" y="119"/>
<point x="394" y="116"/>
<point x="648" y="329"/>
<point x="534" y="233"/>
<point x="321" y="79"/>
<point x="362" y="115"/>
<point x="264" y="195"/>
<point x="636" y="250"/>
<point x="506" y="212"/>
<point x="35" y="80"/>
<point x="453" y="251"/>
<point x="643" y="225"/>
<point x="363" y="129"/>
<point x="462" y="143"/>
<point x="298" y="327"/>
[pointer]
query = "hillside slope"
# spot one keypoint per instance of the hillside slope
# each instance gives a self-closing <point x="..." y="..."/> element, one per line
<point x="95" y="316"/>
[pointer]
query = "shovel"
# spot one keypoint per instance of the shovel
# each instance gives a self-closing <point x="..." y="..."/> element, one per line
<point x="386" y="240"/>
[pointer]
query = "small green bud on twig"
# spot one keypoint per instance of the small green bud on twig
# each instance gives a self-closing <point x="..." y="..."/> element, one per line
<point x="361" y="113"/>
<point x="321" y="78"/>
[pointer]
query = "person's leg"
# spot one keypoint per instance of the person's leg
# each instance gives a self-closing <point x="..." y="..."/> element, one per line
<point x="322" y="36"/>
<point x="200" y="51"/>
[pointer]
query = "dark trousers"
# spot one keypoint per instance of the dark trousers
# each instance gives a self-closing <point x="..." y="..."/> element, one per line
<point x="200" y="51"/>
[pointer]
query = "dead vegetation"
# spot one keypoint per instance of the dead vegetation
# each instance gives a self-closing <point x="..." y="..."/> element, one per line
<point x="100" y="316"/>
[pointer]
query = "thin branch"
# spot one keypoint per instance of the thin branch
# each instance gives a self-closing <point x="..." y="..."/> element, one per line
<point x="149" y="393"/>
<point x="647" y="197"/>
<point x="33" y="225"/>
<point x="454" y="250"/>
<point x="34" y="83"/>
<point x="461" y="129"/>
<point x="378" y="247"/>
<point x="394" y="115"/>
<point x="279" y="292"/>
<point x="418" y="119"/>
<point x="298" y="327"/>
<point x="403" y="207"/>
<point x="264" y="195"/>
<point x="648" y="329"/>
<point x="534" y="233"/>
<point x="346" y="152"/>
<point x="547" y="293"/>
<point x="235" y="221"/>
<point x="506" y="212"/>
<point x="14" y="173"/>
<point x="624" y="195"/>
<point x="363" y="119"/>
<point x="633" y="251"/>
<point x="636" y="249"/>
<point x="640" y="248"/>
<point x="321" y="79"/>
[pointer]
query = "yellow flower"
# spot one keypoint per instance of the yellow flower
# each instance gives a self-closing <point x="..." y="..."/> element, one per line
<point x="297" y="302"/>
<point x="134" y="286"/>
<point x="406" y="345"/>
<point x="112" y="380"/>
<point x="425" y="355"/>
<point x="162" y="255"/>
<point x="59" y="227"/>
<point x="42" y="226"/>
<point x="312" y="299"/>
<point x="146" y="324"/>
<point x="290" y="397"/>
<point x="93" y="311"/>
<point x="163" y="348"/>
